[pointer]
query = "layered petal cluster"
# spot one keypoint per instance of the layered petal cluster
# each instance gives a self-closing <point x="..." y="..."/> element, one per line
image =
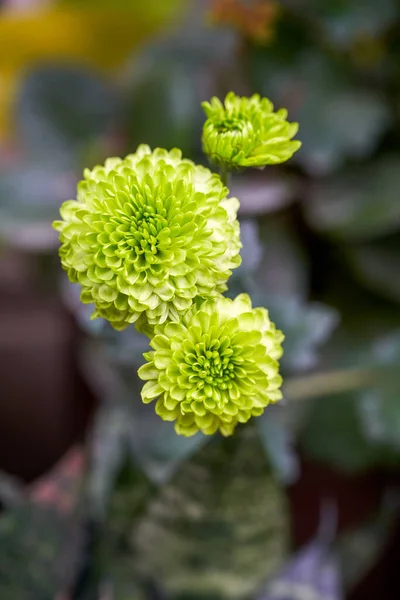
<point x="147" y="235"/>
<point x="215" y="368"/>
<point x="246" y="132"/>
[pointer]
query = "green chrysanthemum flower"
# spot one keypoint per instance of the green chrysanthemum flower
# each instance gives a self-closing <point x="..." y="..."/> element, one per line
<point x="245" y="132"/>
<point x="147" y="235"/>
<point x="215" y="368"/>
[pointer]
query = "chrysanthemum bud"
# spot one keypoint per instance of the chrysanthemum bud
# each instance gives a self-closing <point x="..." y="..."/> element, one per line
<point x="245" y="132"/>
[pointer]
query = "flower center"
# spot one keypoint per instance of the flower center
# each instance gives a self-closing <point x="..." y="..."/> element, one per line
<point x="230" y="124"/>
<point x="145" y="227"/>
<point x="212" y="365"/>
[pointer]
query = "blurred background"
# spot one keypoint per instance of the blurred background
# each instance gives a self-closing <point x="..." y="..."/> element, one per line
<point x="96" y="492"/>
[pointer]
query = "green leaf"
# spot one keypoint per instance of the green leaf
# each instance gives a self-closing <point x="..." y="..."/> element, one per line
<point x="12" y="492"/>
<point x="376" y="265"/>
<point x="278" y="441"/>
<point x="338" y="119"/>
<point x="60" y="110"/>
<point x="274" y="262"/>
<point x="333" y="434"/>
<point x="380" y="407"/>
<point x="219" y="527"/>
<point x="30" y="197"/>
<point x="366" y="322"/>
<point x="274" y="272"/>
<point x="359" y="549"/>
<point x="263" y="193"/>
<point x="165" y="86"/>
<point x="108" y="450"/>
<point x="307" y="327"/>
<point x="113" y="563"/>
<point x="359" y="203"/>
<point x="344" y="21"/>
<point x="155" y="445"/>
<point x="111" y="365"/>
<point x="380" y="415"/>
<point x="39" y="552"/>
<point x="336" y="430"/>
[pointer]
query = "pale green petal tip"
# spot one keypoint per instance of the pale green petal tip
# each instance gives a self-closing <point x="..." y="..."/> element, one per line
<point x="216" y="368"/>
<point x="245" y="132"/>
<point x="128" y="239"/>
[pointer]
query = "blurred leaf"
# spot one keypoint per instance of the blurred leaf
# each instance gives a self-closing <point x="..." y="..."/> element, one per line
<point x="376" y="265"/>
<point x="166" y="84"/>
<point x="284" y="269"/>
<point x="128" y="501"/>
<point x="252" y="251"/>
<point x="12" y="491"/>
<point x="366" y="322"/>
<point x="334" y="431"/>
<point x="277" y="439"/>
<point x="274" y="272"/>
<point x="30" y="198"/>
<point x="261" y="194"/>
<point x="101" y="39"/>
<point x="109" y="567"/>
<point x="337" y="119"/>
<point x="155" y="445"/>
<point x="358" y="550"/>
<point x="60" y="109"/>
<point x="306" y="327"/>
<point x="202" y="537"/>
<point x="380" y="414"/>
<point x="312" y="573"/>
<point x="163" y="107"/>
<point x="39" y="550"/>
<point x="108" y="448"/>
<point x="344" y="21"/>
<point x="359" y="203"/>
<point x="333" y="434"/>
<point x="274" y="262"/>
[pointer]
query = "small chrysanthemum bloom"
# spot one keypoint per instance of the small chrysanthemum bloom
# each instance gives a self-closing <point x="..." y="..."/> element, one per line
<point x="245" y="132"/>
<point x="215" y="368"/>
<point x="148" y="234"/>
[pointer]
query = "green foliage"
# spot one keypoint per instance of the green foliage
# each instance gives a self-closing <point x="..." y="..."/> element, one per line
<point x="61" y="111"/>
<point x="333" y="434"/>
<point x="339" y="119"/>
<point x="39" y="552"/>
<point x="375" y="265"/>
<point x="219" y="527"/>
<point x="360" y="204"/>
<point x="359" y="548"/>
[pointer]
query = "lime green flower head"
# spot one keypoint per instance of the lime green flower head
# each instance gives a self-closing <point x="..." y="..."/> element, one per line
<point x="215" y="368"/>
<point x="245" y="132"/>
<point x="148" y="234"/>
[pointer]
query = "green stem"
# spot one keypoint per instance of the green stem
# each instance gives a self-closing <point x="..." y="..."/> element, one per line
<point x="225" y="175"/>
<point x="323" y="384"/>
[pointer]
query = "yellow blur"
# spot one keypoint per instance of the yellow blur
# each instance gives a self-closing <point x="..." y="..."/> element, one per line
<point x="98" y="38"/>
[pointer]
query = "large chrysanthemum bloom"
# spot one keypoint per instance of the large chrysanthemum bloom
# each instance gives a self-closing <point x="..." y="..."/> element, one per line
<point x="147" y="235"/>
<point x="215" y="368"/>
<point x="246" y="132"/>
